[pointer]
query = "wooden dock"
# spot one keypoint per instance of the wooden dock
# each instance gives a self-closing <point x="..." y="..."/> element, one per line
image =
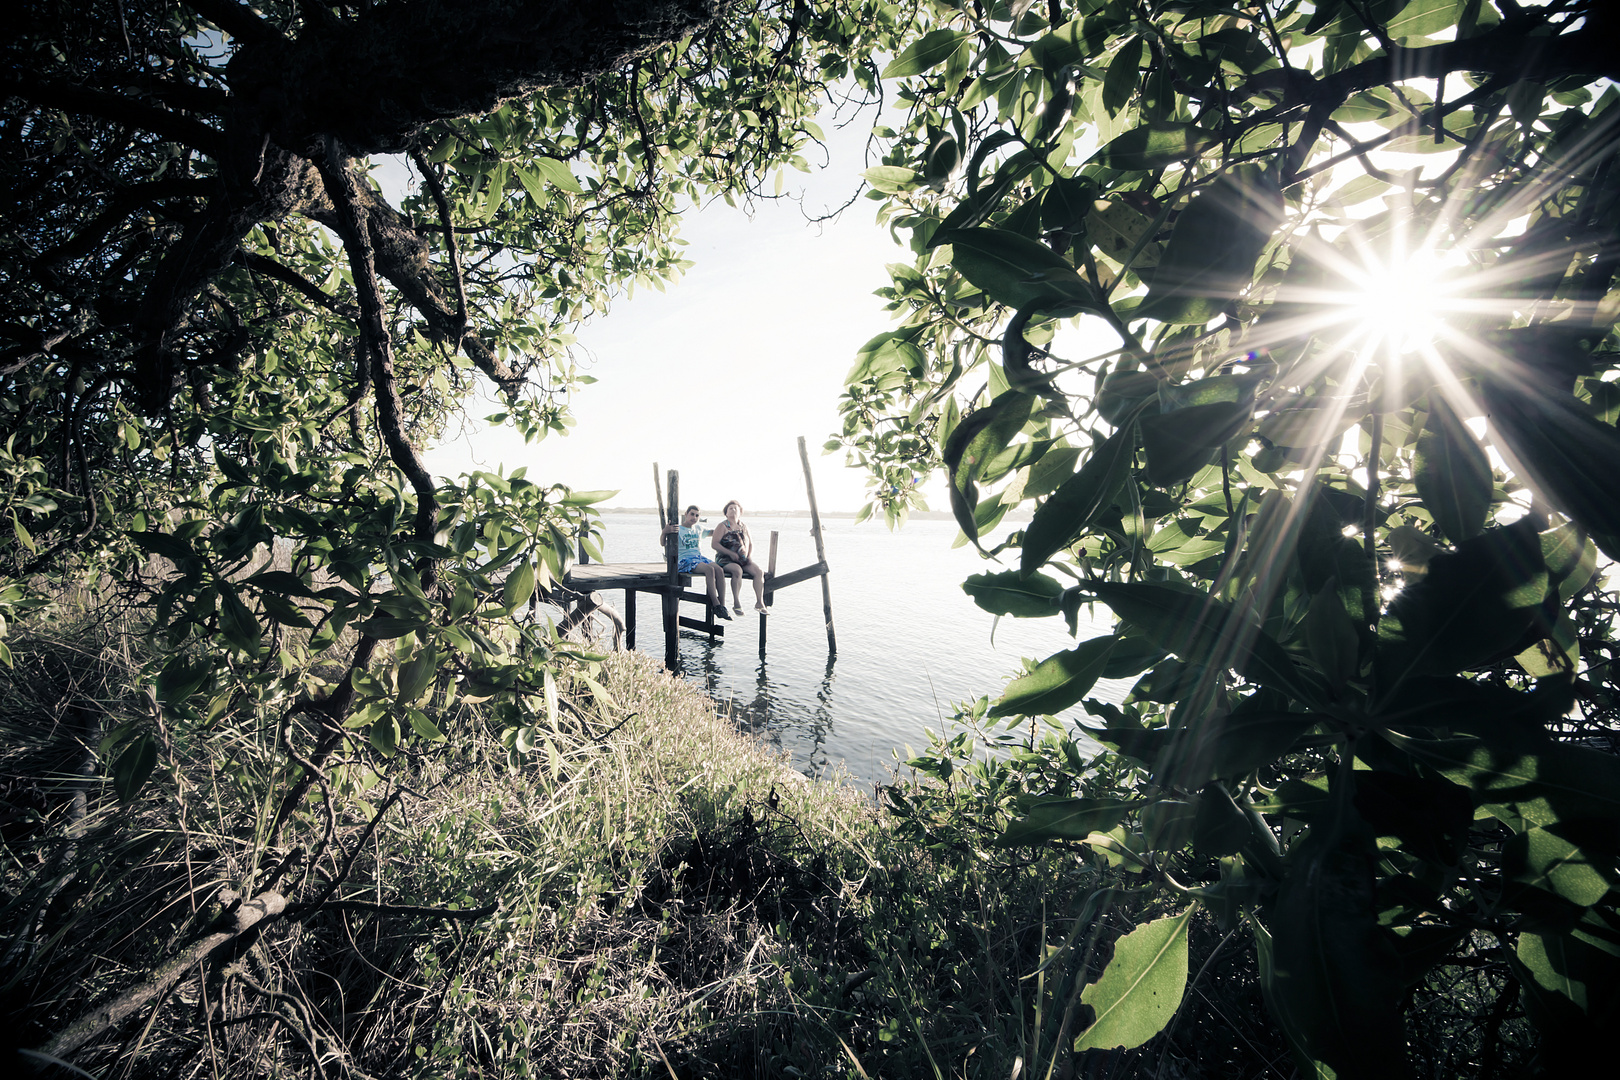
<point x="590" y="581"/>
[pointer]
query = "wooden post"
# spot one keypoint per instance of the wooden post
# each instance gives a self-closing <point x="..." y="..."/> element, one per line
<point x="584" y="556"/>
<point x="630" y="620"/>
<point x="821" y="553"/>
<point x="672" y="596"/>
<point x="770" y="572"/>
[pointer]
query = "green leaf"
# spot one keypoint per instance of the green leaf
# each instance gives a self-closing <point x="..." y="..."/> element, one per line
<point x="519" y="586"/>
<point x="891" y="179"/>
<point x="1201" y="630"/>
<point x="556" y="173"/>
<point x="1010" y="593"/>
<point x="973" y="444"/>
<point x="1325" y="12"/>
<point x="1057" y="682"/>
<point x="887" y="352"/>
<point x="180" y="678"/>
<point x="281" y="581"/>
<point x="237" y="623"/>
<point x="1249" y="737"/>
<point x="588" y="498"/>
<point x="1555" y="783"/>
<point x="1452" y="475"/>
<point x="1422" y="17"/>
<point x="1209" y="261"/>
<point x="386" y="627"/>
<point x="1071" y="509"/>
<point x="926" y="53"/>
<point x="1331" y="637"/>
<point x="1542" y="858"/>
<point x="1019" y="272"/>
<point x="1155" y="145"/>
<point x="1120" y="82"/>
<point x="169" y="546"/>
<point x="425" y="727"/>
<point x="1050" y="819"/>
<point x="529" y="177"/>
<point x="1571" y="559"/>
<point x="1472" y="604"/>
<point x="133" y="767"/>
<point x="1336" y="975"/>
<point x="1571" y="457"/>
<point x="384" y="735"/>
<point x="1570" y="979"/>
<point x="416" y="674"/>
<point x="1141" y="988"/>
<point x="1221" y="827"/>
<point x="1178" y="444"/>
<point x="463" y="600"/>
<point x="1308" y="425"/>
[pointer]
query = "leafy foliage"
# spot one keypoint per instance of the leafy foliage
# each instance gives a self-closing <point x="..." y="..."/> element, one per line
<point x="1294" y="325"/>
<point x="255" y="258"/>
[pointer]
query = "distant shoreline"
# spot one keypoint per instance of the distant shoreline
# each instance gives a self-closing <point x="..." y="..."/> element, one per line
<point x="844" y="515"/>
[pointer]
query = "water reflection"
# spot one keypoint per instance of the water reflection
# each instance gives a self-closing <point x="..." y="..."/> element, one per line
<point x="911" y="643"/>
<point x="776" y="712"/>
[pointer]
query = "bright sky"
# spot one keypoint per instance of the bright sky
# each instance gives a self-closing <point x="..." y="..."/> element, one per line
<point x="719" y="376"/>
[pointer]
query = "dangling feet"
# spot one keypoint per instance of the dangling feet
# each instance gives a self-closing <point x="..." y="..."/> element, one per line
<point x="761" y="608"/>
<point x="737" y="608"/>
<point x="720" y="612"/>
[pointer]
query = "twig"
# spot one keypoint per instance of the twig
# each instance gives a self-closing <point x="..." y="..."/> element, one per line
<point x="411" y="911"/>
<point x="436" y="189"/>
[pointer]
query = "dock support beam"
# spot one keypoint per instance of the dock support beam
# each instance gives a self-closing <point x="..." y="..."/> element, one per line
<point x="821" y="551"/>
<point x="770" y="573"/>
<point x="672" y="591"/>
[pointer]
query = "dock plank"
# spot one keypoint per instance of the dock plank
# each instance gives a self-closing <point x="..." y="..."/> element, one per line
<point x="598" y="576"/>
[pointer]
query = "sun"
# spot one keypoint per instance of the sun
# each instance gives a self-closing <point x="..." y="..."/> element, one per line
<point x="1397" y="305"/>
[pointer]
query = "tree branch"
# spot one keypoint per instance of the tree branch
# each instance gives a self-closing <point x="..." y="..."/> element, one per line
<point x="431" y="179"/>
<point x="236" y="20"/>
<point x="344" y="192"/>
<point x="263" y="264"/>
<point x="375" y="79"/>
<point x="1506" y="52"/>
<point x="120" y="109"/>
<point x="265" y="906"/>
<point x="123" y="202"/>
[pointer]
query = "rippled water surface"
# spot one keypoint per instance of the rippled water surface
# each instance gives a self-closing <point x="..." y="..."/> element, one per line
<point x="910" y="642"/>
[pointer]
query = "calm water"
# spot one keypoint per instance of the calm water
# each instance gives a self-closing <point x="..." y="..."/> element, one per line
<point x="910" y="642"/>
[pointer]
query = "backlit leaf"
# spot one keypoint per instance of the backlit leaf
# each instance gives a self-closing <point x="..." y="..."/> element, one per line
<point x="1141" y="988"/>
<point x="1018" y="272"/>
<point x="1010" y="593"/>
<point x="1155" y="145"/>
<point x="1070" y="510"/>
<point x="1452" y="475"/>
<point x="1057" y="682"/>
<point x="1063" y="819"/>
<point x="926" y="53"/>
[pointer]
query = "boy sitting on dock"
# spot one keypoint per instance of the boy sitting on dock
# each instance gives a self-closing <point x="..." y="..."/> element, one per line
<point x="693" y="562"/>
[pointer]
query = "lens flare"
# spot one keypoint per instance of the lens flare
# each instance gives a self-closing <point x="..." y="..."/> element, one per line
<point x="1397" y="306"/>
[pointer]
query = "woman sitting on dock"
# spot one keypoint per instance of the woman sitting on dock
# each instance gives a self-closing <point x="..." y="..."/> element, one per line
<point x="734" y="548"/>
<point x="692" y="562"/>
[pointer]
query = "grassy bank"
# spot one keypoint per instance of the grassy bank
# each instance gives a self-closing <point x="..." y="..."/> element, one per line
<point x="638" y="891"/>
<point x="635" y="891"/>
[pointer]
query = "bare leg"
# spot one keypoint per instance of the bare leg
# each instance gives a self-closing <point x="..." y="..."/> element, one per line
<point x="709" y="580"/>
<point x="758" y="573"/>
<point x="736" y="585"/>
